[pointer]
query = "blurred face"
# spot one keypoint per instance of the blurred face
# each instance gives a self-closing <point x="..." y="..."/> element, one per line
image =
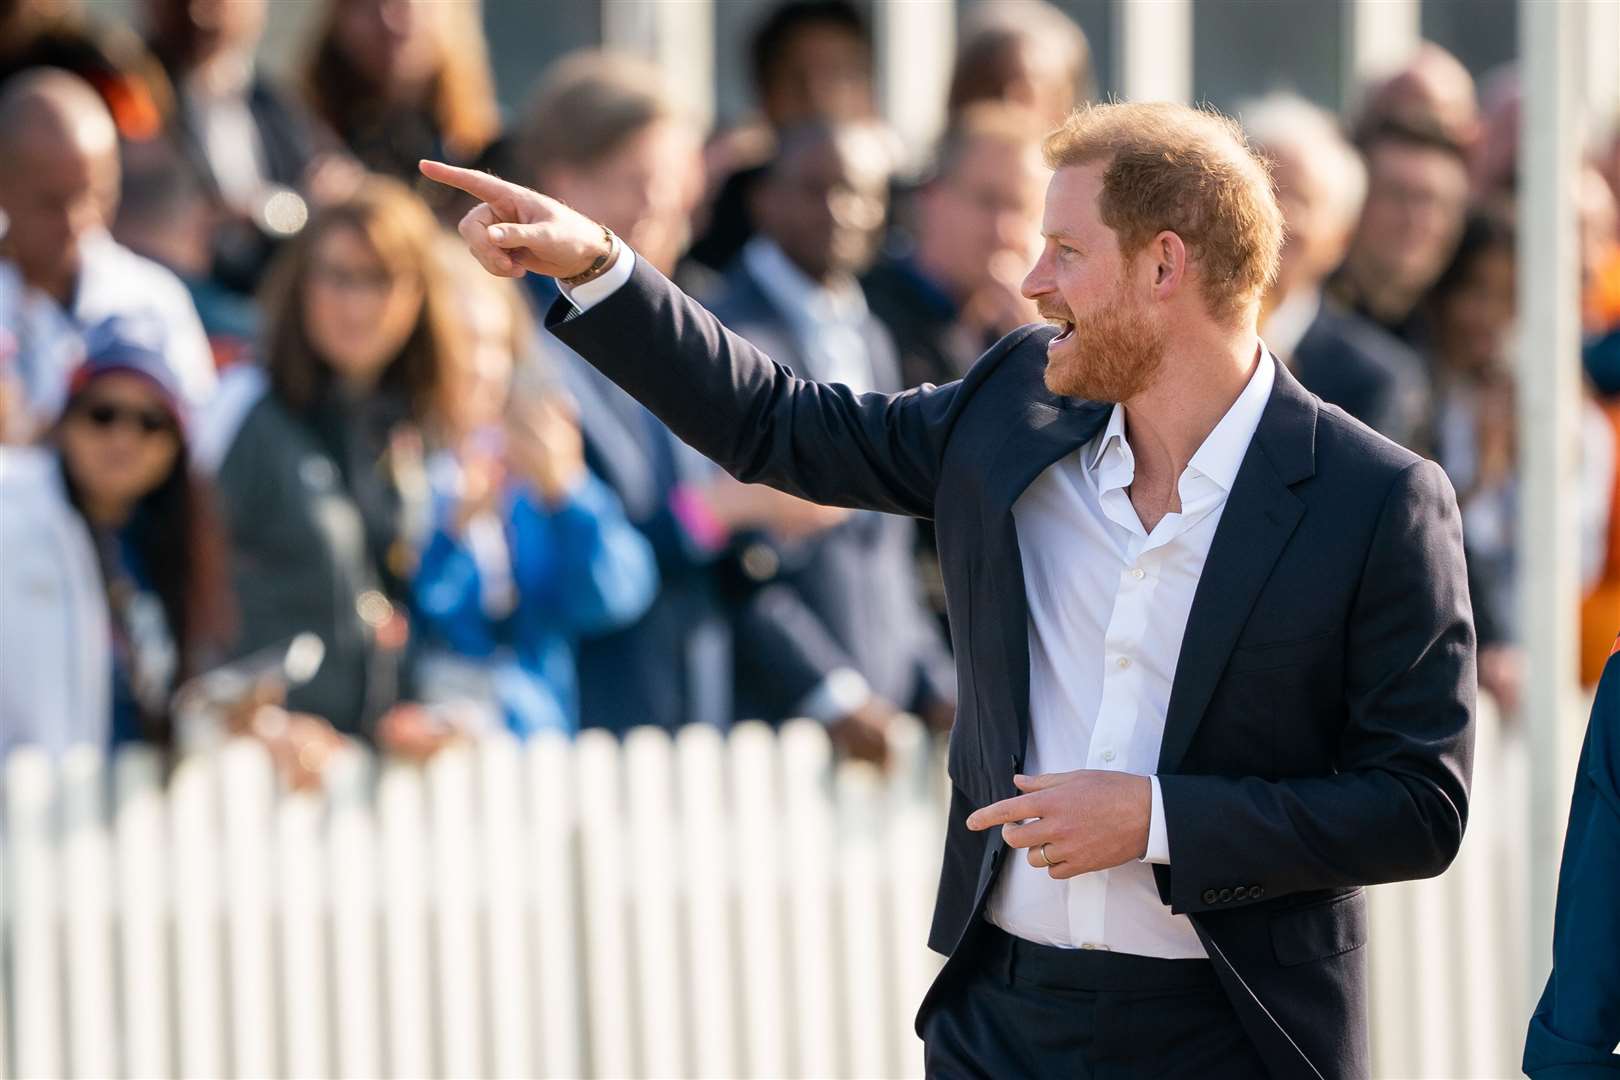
<point x="390" y="41"/>
<point x="118" y="441"/>
<point x="358" y="311"/>
<point x="987" y="210"/>
<point x="1416" y="198"/>
<point x="54" y="194"/>
<point x="1317" y="235"/>
<point x="824" y="73"/>
<point x="824" y="207"/>
<point x="204" y="29"/>
<point x="645" y="190"/>
<point x="1111" y="345"/>
<point x="1476" y="321"/>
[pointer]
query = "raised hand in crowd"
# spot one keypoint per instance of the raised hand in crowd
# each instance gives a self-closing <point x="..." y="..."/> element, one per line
<point x="863" y="733"/>
<point x="544" y="446"/>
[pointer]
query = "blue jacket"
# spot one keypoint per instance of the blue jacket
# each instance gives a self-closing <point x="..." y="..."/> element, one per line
<point x="577" y="569"/>
<point x="1576" y="1026"/>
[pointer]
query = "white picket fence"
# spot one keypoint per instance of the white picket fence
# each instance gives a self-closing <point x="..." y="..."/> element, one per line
<point x="708" y="905"/>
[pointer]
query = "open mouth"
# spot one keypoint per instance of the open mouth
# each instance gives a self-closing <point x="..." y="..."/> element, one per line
<point x="1065" y="328"/>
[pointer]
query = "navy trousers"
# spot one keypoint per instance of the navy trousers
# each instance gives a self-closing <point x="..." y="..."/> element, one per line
<point x="1014" y="1009"/>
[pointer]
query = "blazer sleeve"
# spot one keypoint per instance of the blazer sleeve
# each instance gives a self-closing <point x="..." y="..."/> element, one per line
<point x="721" y="395"/>
<point x="1396" y="808"/>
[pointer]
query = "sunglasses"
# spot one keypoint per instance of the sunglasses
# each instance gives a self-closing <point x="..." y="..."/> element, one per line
<point x="104" y="415"/>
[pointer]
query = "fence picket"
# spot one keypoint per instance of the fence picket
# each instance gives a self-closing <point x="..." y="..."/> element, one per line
<point x="32" y="846"/>
<point x="401" y="825"/>
<point x="759" y="899"/>
<point x="604" y="860"/>
<point x="199" y="955"/>
<point x="305" y="1003"/>
<point x="141" y="837"/>
<point x="710" y="858"/>
<point x="505" y="943"/>
<point x="553" y="913"/>
<point x="455" y="896"/>
<point x="352" y="870"/>
<point x="88" y="910"/>
<point x="655" y="899"/>
<point x="807" y="845"/>
<point x="247" y="782"/>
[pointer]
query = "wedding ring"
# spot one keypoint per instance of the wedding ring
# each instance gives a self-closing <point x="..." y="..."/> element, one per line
<point x="1045" y="858"/>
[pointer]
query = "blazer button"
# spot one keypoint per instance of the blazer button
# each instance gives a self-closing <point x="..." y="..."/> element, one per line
<point x="1226" y="894"/>
<point x="1240" y="893"/>
<point x="1256" y="892"/>
<point x="1210" y="896"/>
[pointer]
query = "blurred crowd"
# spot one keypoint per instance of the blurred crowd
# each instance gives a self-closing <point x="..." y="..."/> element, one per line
<point x="254" y="394"/>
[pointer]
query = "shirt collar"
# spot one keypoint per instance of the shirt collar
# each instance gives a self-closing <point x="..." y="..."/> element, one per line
<point x="799" y="297"/>
<point x="1221" y="453"/>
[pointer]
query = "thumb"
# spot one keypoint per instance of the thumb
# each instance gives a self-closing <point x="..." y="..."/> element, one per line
<point x="1038" y="783"/>
<point x="508" y="235"/>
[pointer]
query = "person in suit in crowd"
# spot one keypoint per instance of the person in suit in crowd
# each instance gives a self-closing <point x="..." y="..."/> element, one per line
<point x="1575" y="1031"/>
<point x="810" y="60"/>
<point x="251" y="146"/>
<point x="600" y="132"/>
<point x="975" y="229"/>
<point x="1162" y="751"/>
<point x="1028" y="54"/>
<point x="1341" y="357"/>
<point x="60" y="269"/>
<point x="836" y="630"/>
<point x="1417" y="195"/>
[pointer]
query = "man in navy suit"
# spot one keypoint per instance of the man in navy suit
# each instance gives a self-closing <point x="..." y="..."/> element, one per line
<point x="1215" y="660"/>
<point x="1575" y="1032"/>
<point x="835" y="628"/>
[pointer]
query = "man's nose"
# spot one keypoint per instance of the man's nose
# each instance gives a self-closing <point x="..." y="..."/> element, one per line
<point x="1038" y="282"/>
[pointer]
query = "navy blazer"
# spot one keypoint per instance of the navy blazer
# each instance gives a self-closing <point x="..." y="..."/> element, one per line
<point x="1576" y="1027"/>
<point x="1319" y="731"/>
<point x="847" y="598"/>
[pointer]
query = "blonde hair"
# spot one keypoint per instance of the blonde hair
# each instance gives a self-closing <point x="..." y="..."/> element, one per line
<point x="1185" y="170"/>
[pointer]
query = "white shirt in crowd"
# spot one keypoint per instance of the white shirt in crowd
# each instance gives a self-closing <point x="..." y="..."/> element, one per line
<point x="1108" y="605"/>
<point x="113" y="280"/>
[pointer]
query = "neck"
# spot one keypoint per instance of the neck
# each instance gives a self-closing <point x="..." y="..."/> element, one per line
<point x="928" y="262"/>
<point x="1169" y="421"/>
<point x="106" y="513"/>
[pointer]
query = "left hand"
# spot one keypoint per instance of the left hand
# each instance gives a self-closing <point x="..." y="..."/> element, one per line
<point x="1088" y="819"/>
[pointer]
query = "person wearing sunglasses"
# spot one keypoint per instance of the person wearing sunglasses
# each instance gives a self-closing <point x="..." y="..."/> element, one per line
<point x="113" y="585"/>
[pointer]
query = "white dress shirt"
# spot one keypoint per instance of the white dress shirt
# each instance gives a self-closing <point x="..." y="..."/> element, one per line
<point x="1108" y="605"/>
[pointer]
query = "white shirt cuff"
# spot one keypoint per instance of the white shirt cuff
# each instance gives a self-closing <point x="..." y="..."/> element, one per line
<point x="842" y="692"/>
<point x="593" y="292"/>
<point x="1158" y="849"/>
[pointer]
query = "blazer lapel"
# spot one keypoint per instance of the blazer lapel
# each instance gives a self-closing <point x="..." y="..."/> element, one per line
<point x="1049" y="428"/>
<point x="1261" y="514"/>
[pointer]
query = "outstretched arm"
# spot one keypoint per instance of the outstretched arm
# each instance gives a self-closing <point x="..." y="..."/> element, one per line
<point x="713" y="389"/>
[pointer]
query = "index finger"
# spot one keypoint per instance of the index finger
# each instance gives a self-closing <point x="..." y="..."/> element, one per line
<point x="480" y="185"/>
<point x="1017" y="808"/>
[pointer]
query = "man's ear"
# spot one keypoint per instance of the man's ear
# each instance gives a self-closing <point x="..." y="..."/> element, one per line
<point x="1167" y="256"/>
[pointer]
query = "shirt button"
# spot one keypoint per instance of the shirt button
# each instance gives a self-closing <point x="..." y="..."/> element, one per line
<point x="1122" y="663"/>
<point x="1138" y="573"/>
<point x="1108" y="755"/>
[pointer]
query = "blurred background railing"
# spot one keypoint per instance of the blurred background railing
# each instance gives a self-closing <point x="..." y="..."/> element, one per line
<point x="708" y="905"/>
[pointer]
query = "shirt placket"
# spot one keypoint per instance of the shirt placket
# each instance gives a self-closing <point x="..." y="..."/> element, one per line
<point x="1116" y="711"/>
